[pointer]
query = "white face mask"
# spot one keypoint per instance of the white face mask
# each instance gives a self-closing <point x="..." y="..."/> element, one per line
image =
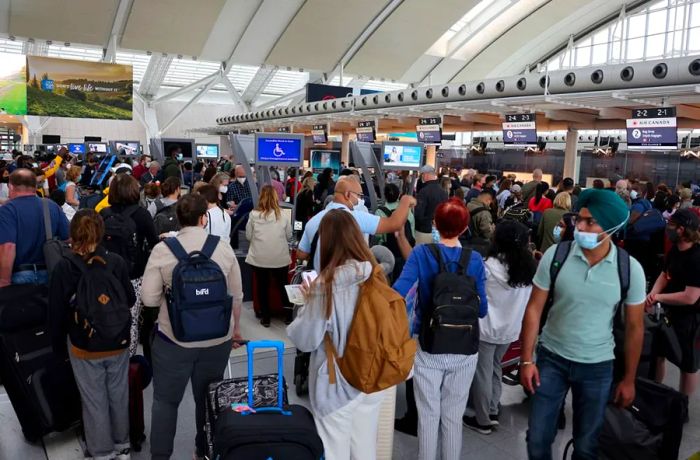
<point x="223" y="189"/>
<point x="241" y="180"/>
<point x="634" y="195"/>
<point x="361" y="203"/>
<point x="148" y="164"/>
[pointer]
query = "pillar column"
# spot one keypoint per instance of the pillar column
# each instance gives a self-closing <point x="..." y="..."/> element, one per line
<point x="430" y="156"/>
<point x="571" y="163"/>
<point x="345" y="149"/>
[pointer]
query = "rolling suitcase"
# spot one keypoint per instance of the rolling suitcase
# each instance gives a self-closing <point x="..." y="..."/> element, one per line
<point x="39" y="383"/>
<point x="277" y="431"/>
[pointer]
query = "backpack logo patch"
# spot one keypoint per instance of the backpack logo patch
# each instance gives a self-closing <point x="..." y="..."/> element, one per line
<point x="204" y="291"/>
<point x="103" y="299"/>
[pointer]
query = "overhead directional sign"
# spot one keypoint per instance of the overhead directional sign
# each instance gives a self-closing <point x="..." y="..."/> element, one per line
<point x="652" y="129"/>
<point x="319" y="133"/>
<point x="429" y="130"/>
<point x="366" y="131"/>
<point x="284" y="129"/>
<point x="520" y="130"/>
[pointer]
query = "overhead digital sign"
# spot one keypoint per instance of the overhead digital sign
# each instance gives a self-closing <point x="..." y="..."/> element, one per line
<point x="279" y="148"/>
<point x="520" y="130"/>
<point x="319" y="133"/>
<point x="429" y="130"/>
<point x="652" y="129"/>
<point x="366" y="131"/>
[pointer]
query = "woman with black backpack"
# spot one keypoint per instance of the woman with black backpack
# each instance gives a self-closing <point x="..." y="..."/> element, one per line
<point x="130" y="233"/>
<point x="90" y="296"/>
<point x="445" y="364"/>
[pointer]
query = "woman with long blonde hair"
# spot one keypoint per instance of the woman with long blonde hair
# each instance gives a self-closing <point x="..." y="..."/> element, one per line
<point x="346" y="418"/>
<point x="269" y="233"/>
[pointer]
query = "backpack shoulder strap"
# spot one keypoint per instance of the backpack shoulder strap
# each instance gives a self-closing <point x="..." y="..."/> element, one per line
<point x="623" y="271"/>
<point x="478" y="211"/>
<point x="77" y="261"/>
<point x="47" y="219"/>
<point x="129" y="211"/>
<point x="560" y="255"/>
<point x="386" y="210"/>
<point x="435" y="251"/>
<point x="210" y="245"/>
<point x="176" y="248"/>
<point x="312" y="254"/>
<point x="464" y="258"/>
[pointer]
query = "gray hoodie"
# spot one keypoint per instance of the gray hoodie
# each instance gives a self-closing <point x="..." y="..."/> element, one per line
<point x="309" y="328"/>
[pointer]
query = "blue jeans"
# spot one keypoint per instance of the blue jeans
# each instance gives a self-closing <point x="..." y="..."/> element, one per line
<point x="30" y="277"/>
<point x="590" y="390"/>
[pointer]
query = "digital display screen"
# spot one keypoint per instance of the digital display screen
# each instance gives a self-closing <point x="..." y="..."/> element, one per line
<point x="128" y="148"/>
<point x="322" y="159"/>
<point x="403" y="156"/>
<point x="652" y="129"/>
<point x="186" y="146"/>
<point x="76" y="149"/>
<point x="275" y="149"/>
<point x="365" y="136"/>
<point x="319" y="134"/>
<point x="97" y="147"/>
<point x="429" y="134"/>
<point x="207" y="151"/>
<point x="520" y="129"/>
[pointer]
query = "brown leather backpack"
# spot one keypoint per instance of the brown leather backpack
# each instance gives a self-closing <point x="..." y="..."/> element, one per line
<point x="379" y="351"/>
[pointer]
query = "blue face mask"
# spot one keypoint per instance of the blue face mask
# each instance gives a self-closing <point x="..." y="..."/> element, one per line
<point x="589" y="240"/>
<point x="556" y="234"/>
<point x="436" y="236"/>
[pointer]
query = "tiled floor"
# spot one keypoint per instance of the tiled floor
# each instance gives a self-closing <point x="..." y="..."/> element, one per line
<point x="506" y="443"/>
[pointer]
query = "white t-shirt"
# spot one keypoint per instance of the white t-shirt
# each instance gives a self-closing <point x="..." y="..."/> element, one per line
<point x="219" y="224"/>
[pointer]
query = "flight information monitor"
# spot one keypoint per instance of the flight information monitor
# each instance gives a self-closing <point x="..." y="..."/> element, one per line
<point x="279" y="148"/>
<point x="127" y="148"/>
<point x="97" y="147"/>
<point x="520" y="129"/>
<point x="652" y="129"/>
<point x="319" y="133"/>
<point x="403" y="155"/>
<point x="429" y="130"/>
<point x="207" y="151"/>
<point x="76" y="149"/>
<point x="366" y="131"/>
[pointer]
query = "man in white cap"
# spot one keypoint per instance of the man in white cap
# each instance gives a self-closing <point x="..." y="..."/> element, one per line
<point x="429" y="197"/>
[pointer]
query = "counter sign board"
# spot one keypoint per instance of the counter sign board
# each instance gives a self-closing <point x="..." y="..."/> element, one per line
<point x="652" y="129"/>
<point x="429" y="130"/>
<point x="366" y="131"/>
<point x="520" y="130"/>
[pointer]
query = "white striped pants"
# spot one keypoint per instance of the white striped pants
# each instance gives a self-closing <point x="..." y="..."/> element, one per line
<point x="441" y="384"/>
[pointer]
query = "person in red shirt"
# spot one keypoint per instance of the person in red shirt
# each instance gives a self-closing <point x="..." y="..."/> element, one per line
<point x="540" y="203"/>
<point x="141" y="168"/>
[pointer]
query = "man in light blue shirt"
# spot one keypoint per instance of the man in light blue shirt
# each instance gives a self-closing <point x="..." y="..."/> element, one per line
<point x="576" y="348"/>
<point x="348" y="196"/>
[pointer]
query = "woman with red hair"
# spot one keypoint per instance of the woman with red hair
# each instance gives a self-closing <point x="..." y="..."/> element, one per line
<point x="441" y="381"/>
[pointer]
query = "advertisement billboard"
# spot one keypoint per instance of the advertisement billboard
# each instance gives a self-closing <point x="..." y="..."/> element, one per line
<point x="78" y="89"/>
<point x="13" y="84"/>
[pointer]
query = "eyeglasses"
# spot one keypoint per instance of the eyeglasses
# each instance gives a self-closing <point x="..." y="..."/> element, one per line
<point x="590" y="221"/>
<point x="359" y="195"/>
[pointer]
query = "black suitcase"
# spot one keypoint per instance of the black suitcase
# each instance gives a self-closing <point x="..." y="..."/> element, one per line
<point x="279" y="431"/>
<point x="39" y="383"/>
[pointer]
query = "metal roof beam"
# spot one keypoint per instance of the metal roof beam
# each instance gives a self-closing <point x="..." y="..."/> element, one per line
<point x="109" y="53"/>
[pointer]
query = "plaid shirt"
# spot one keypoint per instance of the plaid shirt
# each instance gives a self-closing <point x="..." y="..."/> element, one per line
<point x="237" y="192"/>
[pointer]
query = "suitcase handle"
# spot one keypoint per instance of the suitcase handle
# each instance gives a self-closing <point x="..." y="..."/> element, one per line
<point x="278" y="345"/>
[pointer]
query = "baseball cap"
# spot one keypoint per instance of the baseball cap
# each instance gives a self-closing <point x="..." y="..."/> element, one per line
<point x="686" y="218"/>
<point x="427" y="169"/>
<point x="515" y="188"/>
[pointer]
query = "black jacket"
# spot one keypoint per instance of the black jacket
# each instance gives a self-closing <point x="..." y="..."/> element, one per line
<point x="63" y="285"/>
<point x="429" y="197"/>
<point x="146" y="237"/>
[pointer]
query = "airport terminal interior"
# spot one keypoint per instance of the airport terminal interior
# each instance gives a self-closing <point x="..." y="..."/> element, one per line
<point x="332" y="229"/>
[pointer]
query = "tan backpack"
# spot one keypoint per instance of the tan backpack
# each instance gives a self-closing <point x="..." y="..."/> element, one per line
<point x="379" y="351"/>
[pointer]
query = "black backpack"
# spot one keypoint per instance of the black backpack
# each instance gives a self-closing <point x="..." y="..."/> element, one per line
<point x="390" y="241"/>
<point x="120" y="234"/>
<point x="451" y="324"/>
<point x="102" y="314"/>
<point x="165" y="219"/>
<point x="199" y="305"/>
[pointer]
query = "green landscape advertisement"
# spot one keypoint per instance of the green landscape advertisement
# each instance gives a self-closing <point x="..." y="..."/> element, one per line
<point x="78" y="89"/>
<point x="13" y="87"/>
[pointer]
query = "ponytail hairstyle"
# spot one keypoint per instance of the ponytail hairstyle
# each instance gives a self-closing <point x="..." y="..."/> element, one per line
<point x="86" y="231"/>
